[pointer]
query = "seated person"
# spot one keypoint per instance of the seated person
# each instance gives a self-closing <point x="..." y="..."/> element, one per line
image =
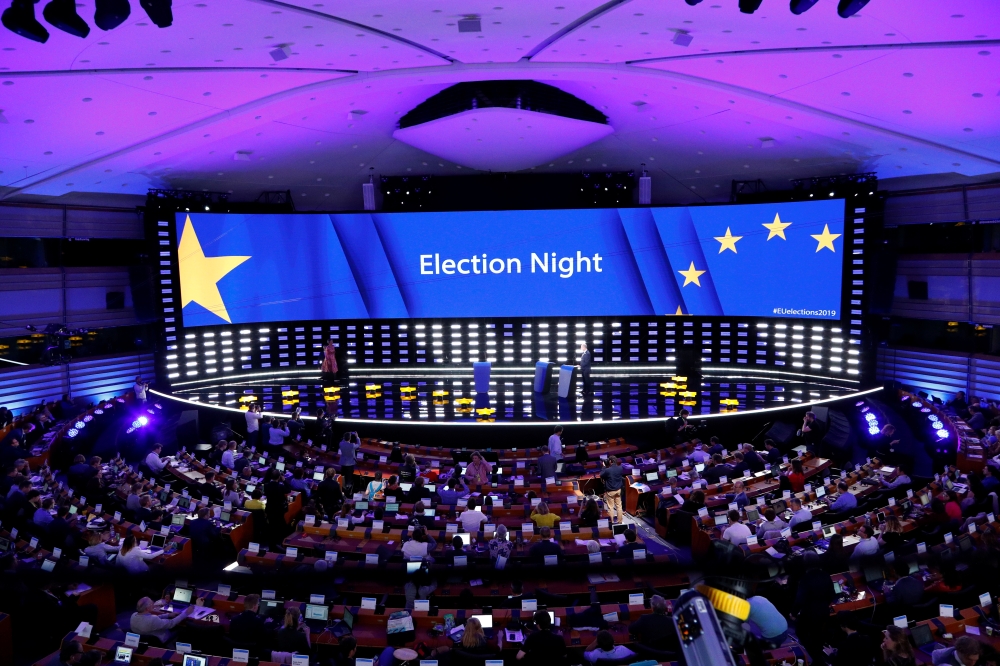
<point x="249" y="628"/>
<point x="796" y="477"/>
<point x="846" y="500"/>
<point x="770" y="523"/>
<point x="418" y="491"/>
<point x="800" y="515"/>
<point x="542" y="647"/>
<point x="293" y="636"/>
<point x="541" y="516"/>
<point x="590" y="514"/>
<point x="472" y="518"/>
<point x="544" y="547"/>
<point x="655" y="630"/>
<point x="145" y="623"/>
<point x="631" y="544"/>
<point x="604" y="648"/>
<point x="455" y="490"/>
<point x="737" y="532"/>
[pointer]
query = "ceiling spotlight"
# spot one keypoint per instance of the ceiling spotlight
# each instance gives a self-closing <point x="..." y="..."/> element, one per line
<point x="749" y="6"/>
<point x="158" y="12"/>
<point x="848" y="8"/>
<point x="110" y="14"/>
<point x="62" y="14"/>
<point x="20" y="18"/>
<point x="801" y="6"/>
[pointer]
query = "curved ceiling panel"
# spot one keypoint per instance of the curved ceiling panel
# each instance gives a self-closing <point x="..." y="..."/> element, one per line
<point x="215" y="33"/>
<point x="644" y="29"/>
<point x="508" y="31"/>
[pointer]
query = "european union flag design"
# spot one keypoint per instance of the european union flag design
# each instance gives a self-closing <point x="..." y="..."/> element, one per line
<point x="762" y="260"/>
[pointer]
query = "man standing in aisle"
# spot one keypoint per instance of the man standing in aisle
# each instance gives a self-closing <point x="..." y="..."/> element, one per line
<point x="555" y="443"/>
<point x="585" y="359"/>
<point x="613" y="478"/>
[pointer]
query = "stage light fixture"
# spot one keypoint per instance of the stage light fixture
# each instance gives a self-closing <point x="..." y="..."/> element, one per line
<point x="20" y="18"/>
<point x="801" y="6"/>
<point x="749" y="6"/>
<point x="62" y="14"/>
<point x="159" y="12"/>
<point x="692" y="3"/>
<point x="848" y="8"/>
<point x="109" y="14"/>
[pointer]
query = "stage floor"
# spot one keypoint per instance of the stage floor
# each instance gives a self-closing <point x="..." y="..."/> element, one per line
<point x="450" y="397"/>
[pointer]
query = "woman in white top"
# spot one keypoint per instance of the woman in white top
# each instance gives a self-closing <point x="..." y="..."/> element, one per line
<point x="375" y="487"/>
<point x="132" y="557"/>
<point x="420" y="545"/>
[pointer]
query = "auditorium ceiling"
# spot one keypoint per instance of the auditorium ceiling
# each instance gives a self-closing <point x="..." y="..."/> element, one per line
<point x="243" y="96"/>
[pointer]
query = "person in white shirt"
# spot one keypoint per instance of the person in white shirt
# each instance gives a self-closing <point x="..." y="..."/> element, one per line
<point x="132" y="557"/>
<point x="699" y="455"/>
<point x="604" y="648"/>
<point x="737" y="532"/>
<point x="229" y="456"/>
<point x="145" y="623"/>
<point x="153" y="460"/>
<point x="277" y="435"/>
<point x="555" y="443"/>
<point x="140" y="390"/>
<point x="472" y="518"/>
<point x="799" y="514"/>
<point x="868" y="544"/>
<point x="253" y="417"/>
<point x="420" y="545"/>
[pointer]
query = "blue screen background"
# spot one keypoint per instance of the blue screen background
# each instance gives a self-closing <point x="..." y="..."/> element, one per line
<point x="367" y="265"/>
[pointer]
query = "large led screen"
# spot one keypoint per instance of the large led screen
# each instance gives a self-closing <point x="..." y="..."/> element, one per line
<point x="757" y="260"/>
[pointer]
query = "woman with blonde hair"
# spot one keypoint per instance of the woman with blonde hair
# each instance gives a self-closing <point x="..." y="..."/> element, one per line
<point x="293" y="635"/>
<point x="541" y="517"/>
<point x="474" y="638"/>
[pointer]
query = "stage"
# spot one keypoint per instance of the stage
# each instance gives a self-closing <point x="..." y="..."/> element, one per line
<point x="447" y="396"/>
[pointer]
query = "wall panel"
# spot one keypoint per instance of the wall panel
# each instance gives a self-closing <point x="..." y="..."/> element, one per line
<point x="94" y="378"/>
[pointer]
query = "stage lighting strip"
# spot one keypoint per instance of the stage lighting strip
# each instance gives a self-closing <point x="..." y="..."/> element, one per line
<point x="286" y="344"/>
<point x="798" y="405"/>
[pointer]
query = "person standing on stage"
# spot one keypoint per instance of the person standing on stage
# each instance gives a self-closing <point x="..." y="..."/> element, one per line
<point x="585" y="359"/>
<point x="329" y="366"/>
<point x="555" y="443"/>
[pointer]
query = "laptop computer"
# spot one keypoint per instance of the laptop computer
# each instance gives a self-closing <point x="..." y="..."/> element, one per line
<point x="181" y="598"/>
<point x="344" y="626"/>
<point x="487" y="623"/>
<point x="123" y="655"/>
<point x="874" y="577"/>
<point x="924" y="639"/>
<point x="192" y="660"/>
<point x="317" y="616"/>
<point x="157" y="542"/>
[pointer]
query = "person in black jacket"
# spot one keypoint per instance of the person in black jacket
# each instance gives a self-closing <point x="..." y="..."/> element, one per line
<point x="331" y="496"/>
<point x="276" y="491"/>
<point x="811" y="609"/>
<point x="544" y="547"/>
<point x="655" y="630"/>
<point x="248" y="627"/>
<point x="294" y="635"/>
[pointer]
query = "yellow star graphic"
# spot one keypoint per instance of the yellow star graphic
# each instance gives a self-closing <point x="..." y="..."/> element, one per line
<point x="825" y="239"/>
<point x="776" y="228"/>
<point x="200" y="274"/>
<point x="691" y="275"/>
<point x="728" y="241"/>
<point x="679" y="311"/>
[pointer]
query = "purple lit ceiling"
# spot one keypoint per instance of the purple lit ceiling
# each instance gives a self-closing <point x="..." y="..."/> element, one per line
<point x="904" y="89"/>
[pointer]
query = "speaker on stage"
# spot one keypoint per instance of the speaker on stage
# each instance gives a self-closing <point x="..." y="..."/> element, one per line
<point x="543" y="377"/>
